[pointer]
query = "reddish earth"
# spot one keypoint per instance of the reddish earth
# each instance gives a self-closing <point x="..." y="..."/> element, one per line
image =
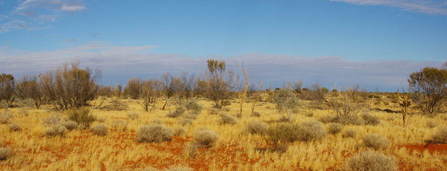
<point x="432" y="148"/>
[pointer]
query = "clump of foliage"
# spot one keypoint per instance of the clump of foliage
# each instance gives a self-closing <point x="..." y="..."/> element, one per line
<point x="5" y="153"/>
<point x="285" y="100"/>
<point x="257" y="127"/>
<point x="154" y="133"/>
<point x="7" y="87"/>
<point x="30" y="88"/>
<point x="440" y="136"/>
<point x="70" y="125"/>
<point x="227" y="119"/>
<point x="349" y="133"/>
<point x="56" y="130"/>
<point x="100" y="130"/>
<point x="375" y="141"/>
<point x="290" y="132"/>
<point x="205" y="138"/>
<point x="335" y="128"/>
<point x="176" y="113"/>
<point x="371" y="161"/>
<point x="429" y="87"/>
<point x="81" y="116"/>
<point x="193" y="107"/>
<point x="218" y="83"/>
<point x="370" y="119"/>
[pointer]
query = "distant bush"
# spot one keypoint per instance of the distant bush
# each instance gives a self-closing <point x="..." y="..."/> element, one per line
<point x="81" y="116"/>
<point x="440" y="135"/>
<point x="370" y="119"/>
<point x="257" y="127"/>
<point x="205" y="138"/>
<point x="335" y="128"/>
<point x="371" y="161"/>
<point x="154" y="133"/>
<point x="193" y="106"/>
<point x="349" y="133"/>
<point x="133" y="116"/>
<point x="5" y="153"/>
<point x="186" y="121"/>
<point x="56" y="130"/>
<point x="14" y="127"/>
<point x="290" y="132"/>
<point x="375" y="141"/>
<point x="70" y="125"/>
<point x="285" y="100"/>
<point x="116" y="104"/>
<point x="5" y="117"/>
<point x="227" y="119"/>
<point x="52" y="120"/>
<point x="100" y="130"/>
<point x="178" y="112"/>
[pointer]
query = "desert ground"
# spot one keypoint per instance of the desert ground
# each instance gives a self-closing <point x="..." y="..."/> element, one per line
<point x="240" y="139"/>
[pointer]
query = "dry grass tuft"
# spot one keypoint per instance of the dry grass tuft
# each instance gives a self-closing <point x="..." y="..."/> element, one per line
<point x="56" y="130"/>
<point x="335" y="128"/>
<point x="70" y="125"/>
<point x="349" y="133"/>
<point x="205" y="138"/>
<point x="5" y="153"/>
<point x="14" y="127"/>
<point x="257" y="127"/>
<point x="440" y="135"/>
<point x="227" y="119"/>
<point x="100" y="130"/>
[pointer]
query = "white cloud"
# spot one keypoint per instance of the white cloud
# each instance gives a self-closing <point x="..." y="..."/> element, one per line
<point x="119" y="63"/>
<point x="67" y="7"/>
<point x="422" y="6"/>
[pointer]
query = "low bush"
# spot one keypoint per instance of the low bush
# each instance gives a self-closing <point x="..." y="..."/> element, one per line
<point x="257" y="127"/>
<point x="375" y="141"/>
<point x="369" y="119"/>
<point x="154" y="133"/>
<point x="176" y="113"/>
<point x="371" y="161"/>
<point x="119" y="125"/>
<point x="81" y="116"/>
<point x="14" y="127"/>
<point x="52" y="120"/>
<point x="56" y="130"/>
<point x="349" y="133"/>
<point x="227" y="119"/>
<point x="100" y="130"/>
<point x="290" y="132"/>
<point x="335" y="128"/>
<point x="440" y="135"/>
<point x="5" y="153"/>
<point x="5" y="117"/>
<point x="193" y="106"/>
<point x="205" y="138"/>
<point x="70" y="125"/>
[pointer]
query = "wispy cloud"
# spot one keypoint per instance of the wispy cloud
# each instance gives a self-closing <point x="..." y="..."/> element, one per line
<point x="119" y="63"/>
<point x="423" y="6"/>
<point x="31" y="14"/>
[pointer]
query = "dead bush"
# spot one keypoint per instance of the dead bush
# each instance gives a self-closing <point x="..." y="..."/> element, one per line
<point x="335" y="128"/>
<point x="371" y="161"/>
<point x="375" y="141"/>
<point x="154" y="133"/>
<point x="257" y="127"/>
<point x="100" y="130"/>
<point x="205" y="138"/>
<point x="5" y="153"/>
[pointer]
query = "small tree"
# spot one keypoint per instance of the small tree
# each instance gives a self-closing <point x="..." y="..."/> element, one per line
<point x="29" y="87"/>
<point x="218" y="87"/>
<point x="133" y="88"/>
<point x="429" y="87"/>
<point x="150" y="93"/>
<point x="7" y="87"/>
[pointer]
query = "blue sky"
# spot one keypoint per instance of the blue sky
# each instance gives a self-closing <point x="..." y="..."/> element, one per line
<point x="327" y="39"/>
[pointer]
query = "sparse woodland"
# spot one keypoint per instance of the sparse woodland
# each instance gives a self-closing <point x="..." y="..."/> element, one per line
<point x="65" y="120"/>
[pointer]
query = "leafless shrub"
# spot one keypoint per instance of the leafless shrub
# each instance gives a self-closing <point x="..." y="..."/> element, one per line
<point x="133" y="88"/>
<point x="100" y="130"/>
<point x="56" y="130"/>
<point x="371" y="161"/>
<point x="257" y="127"/>
<point x="375" y="141"/>
<point x="151" y="92"/>
<point x="5" y="153"/>
<point x="205" y="138"/>
<point x="227" y="119"/>
<point x="14" y="127"/>
<point x="30" y="88"/>
<point x="154" y="133"/>
<point x="335" y="128"/>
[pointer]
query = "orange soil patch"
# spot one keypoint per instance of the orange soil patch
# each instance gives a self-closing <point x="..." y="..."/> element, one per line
<point x="432" y="148"/>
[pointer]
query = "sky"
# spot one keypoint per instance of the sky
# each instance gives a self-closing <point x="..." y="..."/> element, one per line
<point x="375" y="44"/>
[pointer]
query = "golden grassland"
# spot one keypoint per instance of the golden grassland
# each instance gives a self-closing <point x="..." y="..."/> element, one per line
<point x="235" y="149"/>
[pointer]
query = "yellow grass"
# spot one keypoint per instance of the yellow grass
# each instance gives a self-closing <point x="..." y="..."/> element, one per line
<point x="235" y="150"/>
